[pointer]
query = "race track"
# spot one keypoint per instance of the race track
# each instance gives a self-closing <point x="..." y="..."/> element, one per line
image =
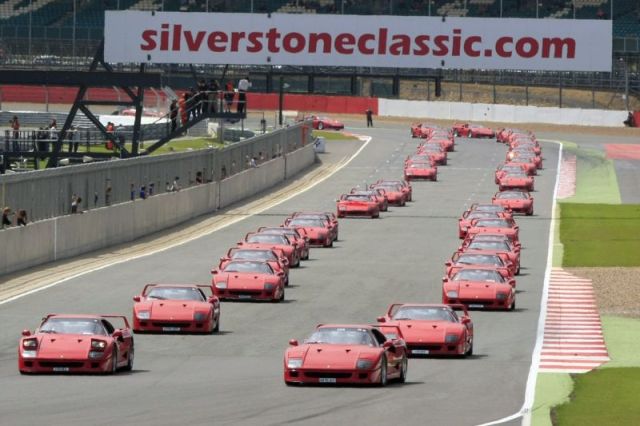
<point x="235" y="377"/>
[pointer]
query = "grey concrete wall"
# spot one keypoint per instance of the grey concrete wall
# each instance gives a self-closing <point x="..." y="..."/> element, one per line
<point x="72" y="235"/>
<point x="47" y="193"/>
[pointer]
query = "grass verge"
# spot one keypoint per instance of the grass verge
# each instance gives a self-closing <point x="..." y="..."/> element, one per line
<point x="331" y="135"/>
<point x="596" y="179"/>
<point x="551" y="389"/>
<point x="621" y="336"/>
<point x="607" y="396"/>
<point x="600" y="234"/>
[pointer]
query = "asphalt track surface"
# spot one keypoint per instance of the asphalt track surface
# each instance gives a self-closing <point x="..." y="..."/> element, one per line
<point x="235" y="377"/>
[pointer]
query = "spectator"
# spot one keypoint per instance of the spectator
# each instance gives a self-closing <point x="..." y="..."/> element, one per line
<point x="95" y="199"/>
<point x="201" y="105"/>
<point x="182" y="105"/>
<point x="191" y="104"/>
<point x="253" y="163"/>
<point x="151" y="187"/>
<point x="369" y="114"/>
<point x="176" y="185"/>
<point x="110" y="128"/>
<point x="132" y="192"/>
<point x="228" y="96"/>
<point x="630" y="121"/>
<point x="173" y="114"/>
<point x="243" y="87"/>
<point x="107" y="195"/>
<point x="75" y="203"/>
<point x="15" y="126"/>
<point x="168" y="187"/>
<point x="73" y="136"/>
<point x="199" y="179"/>
<point x="212" y="95"/>
<point x="223" y="172"/>
<point x="143" y="192"/>
<point x="21" y="218"/>
<point x="260" y="157"/>
<point x="6" y="212"/>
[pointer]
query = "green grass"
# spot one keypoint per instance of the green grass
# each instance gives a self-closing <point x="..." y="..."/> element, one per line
<point x="621" y="336"/>
<point x="606" y="396"/>
<point x="331" y="135"/>
<point x="596" y="179"/>
<point x="551" y="389"/>
<point x="600" y="234"/>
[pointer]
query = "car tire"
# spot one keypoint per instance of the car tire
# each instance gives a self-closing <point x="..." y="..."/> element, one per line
<point x="530" y="212"/>
<point x="470" y="351"/>
<point x="513" y="305"/>
<point x="403" y="203"/>
<point x="383" y="372"/>
<point x="217" y="327"/>
<point x="434" y="179"/>
<point x="403" y="370"/>
<point x="375" y="215"/>
<point x="320" y="125"/>
<point x="306" y="256"/>
<point x="130" y="359"/>
<point x="281" y="296"/>
<point x="114" y="362"/>
<point x="328" y="243"/>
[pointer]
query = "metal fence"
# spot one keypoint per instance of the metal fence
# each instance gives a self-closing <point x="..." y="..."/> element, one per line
<point x="48" y="193"/>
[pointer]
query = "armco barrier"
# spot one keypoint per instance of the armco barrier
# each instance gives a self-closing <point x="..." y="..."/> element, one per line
<point x="500" y="113"/>
<point x="72" y="235"/>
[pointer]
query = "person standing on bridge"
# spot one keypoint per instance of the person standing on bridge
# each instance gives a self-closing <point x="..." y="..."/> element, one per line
<point x="15" y="126"/>
<point x="369" y="114"/>
<point x="173" y="115"/>
<point x="243" y="87"/>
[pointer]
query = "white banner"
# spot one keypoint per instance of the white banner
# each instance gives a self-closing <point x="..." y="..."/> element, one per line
<point x="356" y="40"/>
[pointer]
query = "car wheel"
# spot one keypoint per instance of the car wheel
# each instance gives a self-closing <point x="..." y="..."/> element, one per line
<point x="328" y="243"/>
<point x="383" y="372"/>
<point x="518" y="270"/>
<point x="114" y="361"/>
<point x="217" y="327"/>
<point x="470" y="351"/>
<point x="513" y="305"/>
<point x="130" y="358"/>
<point x="320" y="125"/>
<point x="456" y="134"/>
<point x="281" y="298"/>
<point x="530" y="212"/>
<point x="434" y="179"/>
<point x="375" y="215"/>
<point x="402" y="203"/>
<point x="306" y="256"/>
<point x="403" y="370"/>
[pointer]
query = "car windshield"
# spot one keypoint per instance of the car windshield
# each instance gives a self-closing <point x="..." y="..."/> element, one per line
<point x="511" y="195"/>
<point x="432" y="148"/>
<point x="264" y="255"/>
<point x="364" y="193"/>
<point x="425" y="313"/>
<point x="175" y="293"/>
<point x="492" y="223"/>
<point x="357" y="198"/>
<point x="389" y="188"/>
<point x="480" y="215"/>
<point x="73" y="326"/>
<point x="249" y="267"/>
<point x="516" y="173"/>
<point x="422" y="165"/>
<point x="341" y="336"/>
<point x="488" y="208"/>
<point x="479" y="259"/>
<point x="478" y="275"/>
<point x="489" y="245"/>
<point x="317" y="223"/>
<point x="267" y="239"/>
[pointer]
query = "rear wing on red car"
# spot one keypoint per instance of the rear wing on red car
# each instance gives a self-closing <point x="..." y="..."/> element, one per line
<point x="391" y="331"/>
<point x="121" y="317"/>
<point x="458" y="307"/>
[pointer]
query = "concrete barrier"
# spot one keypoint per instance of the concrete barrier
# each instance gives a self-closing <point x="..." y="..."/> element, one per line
<point x="500" y="113"/>
<point x="72" y="235"/>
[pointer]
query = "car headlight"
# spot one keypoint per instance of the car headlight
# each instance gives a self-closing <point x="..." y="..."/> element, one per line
<point x="221" y="285"/>
<point x="269" y="286"/>
<point x="29" y="354"/>
<point x="364" y="364"/>
<point x="199" y="316"/>
<point x="294" y="363"/>
<point x="451" y="338"/>
<point x="96" y="354"/>
<point x="342" y="207"/>
<point x="501" y="296"/>
<point x="98" y="344"/>
<point x="452" y="294"/>
<point x="143" y="315"/>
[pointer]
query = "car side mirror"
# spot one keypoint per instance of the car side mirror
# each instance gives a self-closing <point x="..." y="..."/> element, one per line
<point x="240" y="243"/>
<point x="381" y="319"/>
<point x="293" y="342"/>
<point x="281" y="274"/>
<point x="136" y="298"/>
<point x="512" y="283"/>
<point x="447" y="263"/>
<point x="118" y="335"/>
<point x="26" y="333"/>
<point x="445" y="279"/>
<point x="211" y="299"/>
<point x="214" y="271"/>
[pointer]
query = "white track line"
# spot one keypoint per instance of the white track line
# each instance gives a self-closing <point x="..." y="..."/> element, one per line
<point x="532" y="379"/>
<point x="366" y="140"/>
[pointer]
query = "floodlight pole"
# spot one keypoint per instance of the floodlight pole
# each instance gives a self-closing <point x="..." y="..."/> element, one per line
<point x="280" y="100"/>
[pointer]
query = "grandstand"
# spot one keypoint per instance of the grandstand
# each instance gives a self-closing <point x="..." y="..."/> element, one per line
<point x="65" y="33"/>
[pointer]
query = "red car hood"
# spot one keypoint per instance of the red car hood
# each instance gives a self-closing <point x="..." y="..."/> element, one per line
<point x="477" y="290"/>
<point x="71" y="346"/>
<point x="180" y="310"/>
<point x="323" y="356"/>
<point x="414" y="331"/>
<point x="486" y="230"/>
<point x="244" y="281"/>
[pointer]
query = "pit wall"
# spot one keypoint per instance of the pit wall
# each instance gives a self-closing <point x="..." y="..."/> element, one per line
<point x="500" y="113"/>
<point x="73" y="235"/>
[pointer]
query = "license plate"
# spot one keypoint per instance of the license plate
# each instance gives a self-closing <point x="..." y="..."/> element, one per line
<point x="60" y="369"/>
<point x="170" y="328"/>
<point x="327" y="380"/>
<point x="476" y="306"/>
<point x="420" y="351"/>
<point x="244" y="296"/>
